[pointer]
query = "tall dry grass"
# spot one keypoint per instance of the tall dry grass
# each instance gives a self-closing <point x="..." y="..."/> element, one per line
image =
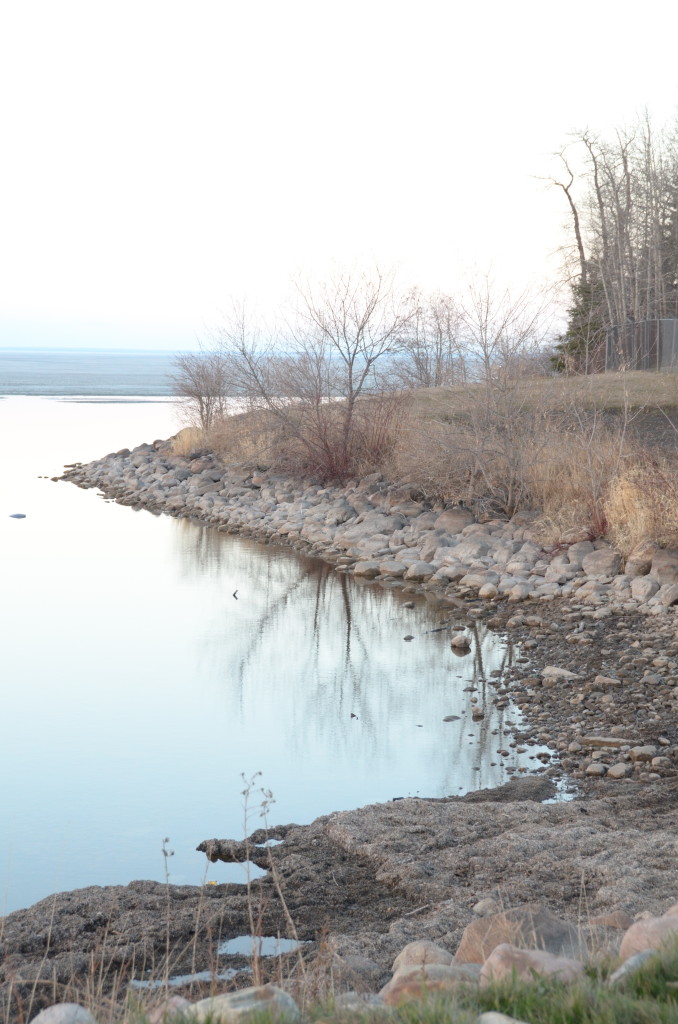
<point x="187" y="440"/>
<point x="642" y="504"/>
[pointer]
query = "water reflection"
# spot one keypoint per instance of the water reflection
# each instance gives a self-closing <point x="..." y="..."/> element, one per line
<point x="324" y="656"/>
<point x="137" y="689"/>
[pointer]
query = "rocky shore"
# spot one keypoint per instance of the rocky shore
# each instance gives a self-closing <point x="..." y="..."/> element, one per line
<point x="361" y="885"/>
<point x="596" y="673"/>
<point x="388" y="532"/>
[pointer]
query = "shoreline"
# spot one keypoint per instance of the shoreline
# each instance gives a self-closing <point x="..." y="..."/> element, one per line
<point x="359" y="886"/>
<point x="594" y="679"/>
<point x="598" y="660"/>
<point x="387" y="532"/>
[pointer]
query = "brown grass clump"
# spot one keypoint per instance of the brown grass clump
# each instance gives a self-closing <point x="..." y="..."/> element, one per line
<point x="571" y="483"/>
<point x="244" y="437"/>
<point x="642" y="504"/>
<point x="187" y="440"/>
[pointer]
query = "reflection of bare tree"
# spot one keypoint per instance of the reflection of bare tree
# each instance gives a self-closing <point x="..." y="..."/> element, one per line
<point x="199" y="549"/>
<point x="319" y="647"/>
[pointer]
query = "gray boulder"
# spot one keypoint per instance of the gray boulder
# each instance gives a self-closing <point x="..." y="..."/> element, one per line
<point x="604" y="562"/>
<point x="420" y="572"/>
<point x="664" y="566"/>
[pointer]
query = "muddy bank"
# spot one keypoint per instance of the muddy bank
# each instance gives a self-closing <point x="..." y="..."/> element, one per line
<point x="361" y="884"/>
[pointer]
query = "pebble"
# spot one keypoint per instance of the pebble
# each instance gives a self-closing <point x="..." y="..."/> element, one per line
<point x="485" y="907"/>
<point x="460" y="640"/>
<point x="618" y="771"/>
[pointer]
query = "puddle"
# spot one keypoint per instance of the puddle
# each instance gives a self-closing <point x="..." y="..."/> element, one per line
<point x="179" y="980"/>
<point x="267" y="945"/>
<point x="241" y="945"/>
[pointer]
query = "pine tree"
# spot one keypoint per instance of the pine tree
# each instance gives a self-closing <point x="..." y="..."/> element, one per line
<point x="581" y="349"/>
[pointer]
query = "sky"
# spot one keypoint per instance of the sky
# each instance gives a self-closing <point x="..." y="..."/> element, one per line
<point x="161" y="157"/>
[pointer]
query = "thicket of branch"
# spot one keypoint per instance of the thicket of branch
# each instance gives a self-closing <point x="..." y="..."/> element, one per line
<point x="327" y="392"/>
<point x="437" y="390"/>
<point x="624" y="253"/>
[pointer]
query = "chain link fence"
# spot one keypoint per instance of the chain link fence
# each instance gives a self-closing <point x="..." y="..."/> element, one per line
<point x="643" y="345"/>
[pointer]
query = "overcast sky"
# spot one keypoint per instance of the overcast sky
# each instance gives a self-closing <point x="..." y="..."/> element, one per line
<point x="161" y="156"/>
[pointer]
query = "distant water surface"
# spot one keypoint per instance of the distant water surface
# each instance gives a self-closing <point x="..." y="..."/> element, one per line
<point x="85" y="372"/>
<point x="136" y="688"/>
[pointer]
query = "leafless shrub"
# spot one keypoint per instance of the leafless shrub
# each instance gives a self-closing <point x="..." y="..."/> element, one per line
<point x="432" y="351"/>
<point x="474" y="461"/>
<point x="483" y="451"/>
<point x="320" y="392"/>
<point x="200" y="382"/>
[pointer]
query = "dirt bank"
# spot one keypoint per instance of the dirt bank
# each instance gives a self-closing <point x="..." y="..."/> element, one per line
<point x="363" y="883"/>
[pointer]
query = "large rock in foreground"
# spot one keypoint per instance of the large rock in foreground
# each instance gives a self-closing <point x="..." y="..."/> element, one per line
<point x="248" y="1003"/>
<point x="532" y="925"/>
<point x="507" y="962"/>
<point x="650" y="933"/>
<point x="371" y="880"/>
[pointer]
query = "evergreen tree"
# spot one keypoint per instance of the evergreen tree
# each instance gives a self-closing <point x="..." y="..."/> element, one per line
<point x="581" y="349"/>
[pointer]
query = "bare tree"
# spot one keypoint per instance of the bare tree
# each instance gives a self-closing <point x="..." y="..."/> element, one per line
<point x="625" y="224"/>
<point x="486" y="440"/>
<point x="320" y="381"/>
<point x="432" y="353"/>
<point x="501" y="331"/>
<point x="200" y="381"/>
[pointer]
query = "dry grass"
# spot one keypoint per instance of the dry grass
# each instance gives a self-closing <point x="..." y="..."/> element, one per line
<point x="564" y="446"/>
<point x="605" y="392"/>
<point x="187" y="440"/>
<point x="244" y="437"/>
<point x="642" y="504"/>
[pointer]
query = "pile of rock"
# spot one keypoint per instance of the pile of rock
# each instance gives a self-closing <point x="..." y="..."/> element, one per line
<point x="386" y="532"/>
<point x="611" y="713"/>
<point x="525" y="943"/>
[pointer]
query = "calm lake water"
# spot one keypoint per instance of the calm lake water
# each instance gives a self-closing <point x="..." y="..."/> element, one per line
<point x="85" y="372"/>
<point x="136" y="689"/>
